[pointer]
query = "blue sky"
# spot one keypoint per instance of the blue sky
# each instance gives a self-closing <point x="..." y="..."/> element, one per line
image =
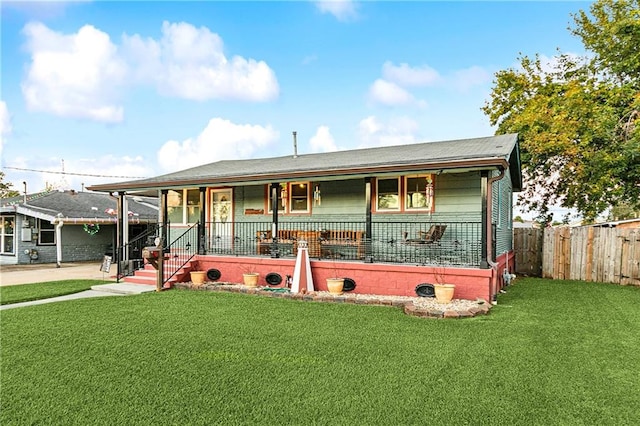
<point x="138" y="89"/>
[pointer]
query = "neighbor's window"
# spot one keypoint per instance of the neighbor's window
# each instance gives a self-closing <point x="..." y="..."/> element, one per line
<point x="46" y="233"/>
<point x="183" y="206"/>
<point x="7" y="234"/>
<point x="419" y="192"/>
<point x="388" y="194"/>
<point x="299" y="197"/>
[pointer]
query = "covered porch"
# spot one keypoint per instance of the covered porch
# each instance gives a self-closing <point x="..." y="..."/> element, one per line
<point x="388" y="263"/>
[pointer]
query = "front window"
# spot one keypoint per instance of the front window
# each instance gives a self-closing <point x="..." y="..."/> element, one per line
<point x="7" y="234"/>
<point x="193" y="205"/>
<point x="294" y="197"/>
<point x="174" y="206"/>
<point x="388" y="194"/>
<point x="46" y="233"/>
<point x="183" y="206"/>
<point x="299" y="197"/>
<point x="282" y="195"/>
<point x="419" y="192"/>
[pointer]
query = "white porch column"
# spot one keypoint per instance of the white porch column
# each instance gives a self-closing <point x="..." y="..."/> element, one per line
<point x="59" y="226"/>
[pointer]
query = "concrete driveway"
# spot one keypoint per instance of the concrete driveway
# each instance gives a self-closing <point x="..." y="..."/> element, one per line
<point x="27" y="274"/>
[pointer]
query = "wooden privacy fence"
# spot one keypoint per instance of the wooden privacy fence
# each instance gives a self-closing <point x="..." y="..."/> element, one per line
<point x="527" y="247"/>
<point x="591" y="253"/>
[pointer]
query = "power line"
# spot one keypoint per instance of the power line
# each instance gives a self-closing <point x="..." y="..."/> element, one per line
<point x="74" y="174"/>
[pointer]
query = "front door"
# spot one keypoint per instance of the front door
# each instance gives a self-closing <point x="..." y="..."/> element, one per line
<point x="221" y="230"/>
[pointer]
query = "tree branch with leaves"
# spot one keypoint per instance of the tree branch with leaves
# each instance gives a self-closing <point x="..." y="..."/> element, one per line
<point x="578" y="118"/>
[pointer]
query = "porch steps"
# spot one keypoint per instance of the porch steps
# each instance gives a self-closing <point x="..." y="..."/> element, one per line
<point x="147" y="275"/>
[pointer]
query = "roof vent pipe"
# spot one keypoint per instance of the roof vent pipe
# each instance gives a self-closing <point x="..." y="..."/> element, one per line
<point x="25" y="191"/>
<point x="295" y="145"/>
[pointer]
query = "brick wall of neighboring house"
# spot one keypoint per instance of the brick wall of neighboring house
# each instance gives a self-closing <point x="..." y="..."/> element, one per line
<point x="78" y="245"/>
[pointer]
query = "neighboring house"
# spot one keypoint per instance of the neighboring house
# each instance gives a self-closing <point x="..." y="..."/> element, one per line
<point x="389" y="218"/>
<point x="67" y="226"/>
<point x="621" y="224"/>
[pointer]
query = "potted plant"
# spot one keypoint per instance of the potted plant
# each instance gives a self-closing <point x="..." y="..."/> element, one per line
<point x="198" y="277"/>
<point x="335" y="284"/>
<point x="444" y="291"/>
<point x="250" y="276"/>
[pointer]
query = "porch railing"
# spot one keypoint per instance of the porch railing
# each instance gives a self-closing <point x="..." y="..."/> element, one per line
<point x="180" y="251"/>
<point x="454" y="243"/>
<point x="133" y="249"/>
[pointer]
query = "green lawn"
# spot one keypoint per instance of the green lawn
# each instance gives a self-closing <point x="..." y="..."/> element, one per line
<point x="27" y="292"/>
<point x="550" y="352"/>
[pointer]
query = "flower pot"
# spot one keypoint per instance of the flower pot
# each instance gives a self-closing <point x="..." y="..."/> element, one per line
<point x="444" y="292"/>
<point x="251" y="279"/>
<point x="335" y="285"/>
<point x="198" y="277"/>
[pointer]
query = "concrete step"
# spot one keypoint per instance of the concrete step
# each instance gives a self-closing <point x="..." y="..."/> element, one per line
<point x="123" y="288"/>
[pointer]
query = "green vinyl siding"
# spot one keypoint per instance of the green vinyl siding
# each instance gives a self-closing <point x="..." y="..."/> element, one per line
<point x="457" y="193"/>
<point x="502" y="211"/>
<point x="457" y="198"/>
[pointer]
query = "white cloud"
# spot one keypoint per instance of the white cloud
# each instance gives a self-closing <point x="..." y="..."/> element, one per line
<point x="190" y="63"/>
<point x="393" y="88"/>
<point x="467" y="78"/>
<point x="220" y="140"/>
<point x="5" y="124"/>
<point x="83" y="74"/>
<point x="407" y="76"/>
<point x="323" y="141"/>
<point x="398" y="131"/>
<point x="387" y="93"/>
<point x="73" y="75"/>
<point x="343" y="10"/>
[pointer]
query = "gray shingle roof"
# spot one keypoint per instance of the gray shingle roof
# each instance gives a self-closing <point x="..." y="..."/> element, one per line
<point x="447" y="154"/>
<point x="72" y="205"/>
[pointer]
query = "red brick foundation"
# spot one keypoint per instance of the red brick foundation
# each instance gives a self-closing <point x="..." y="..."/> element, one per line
<point x="370" y="278"/>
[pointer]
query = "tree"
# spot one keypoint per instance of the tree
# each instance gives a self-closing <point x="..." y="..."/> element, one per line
<point x="5" y="188"/>
<point x="623" y="211"/>
<point x="578" y="119"/>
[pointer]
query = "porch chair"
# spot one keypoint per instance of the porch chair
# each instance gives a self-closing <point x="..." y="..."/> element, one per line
<point x="433" y="235"/>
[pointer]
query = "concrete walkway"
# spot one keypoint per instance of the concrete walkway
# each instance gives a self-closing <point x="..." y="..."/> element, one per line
<point x="45" y="272"/>
<point x="28" y="274"/>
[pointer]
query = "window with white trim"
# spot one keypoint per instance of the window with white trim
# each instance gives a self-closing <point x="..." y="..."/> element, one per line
<point x="282" y="195"/>
<point x="46" y="233"/>
<point x="293" y="197"/>
<point x="183" y="206"/>
<point x="299" y="197"/>
<point x="7" y="234"/>
<point x="388" y="194"/>
<point x="419" y="192"/>
<point x="405" y="193"/>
